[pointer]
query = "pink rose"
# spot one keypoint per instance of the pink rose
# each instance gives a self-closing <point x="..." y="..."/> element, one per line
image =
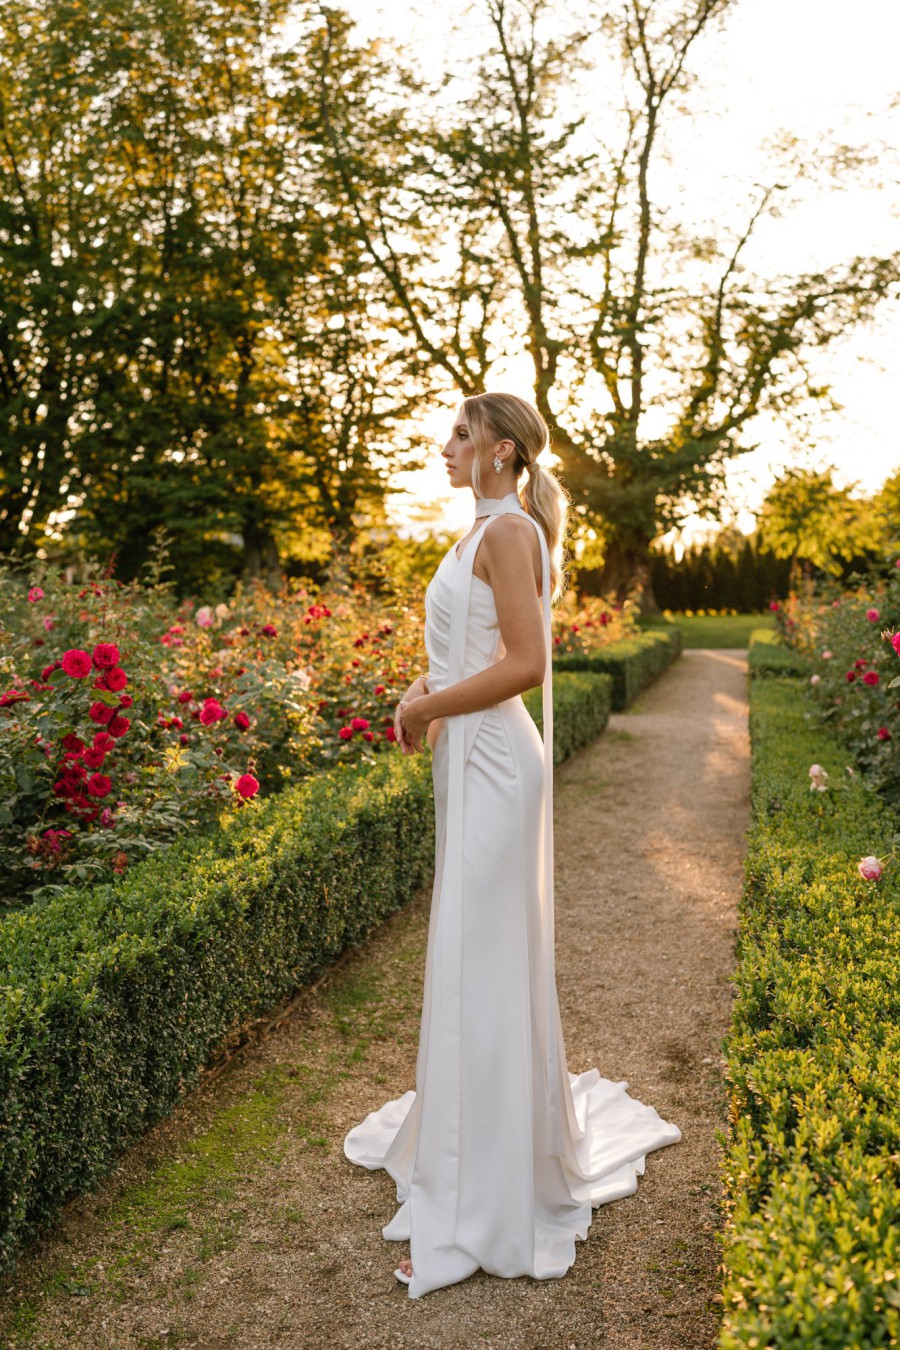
<point x="814" y="679"/>
<point x="895" y="642"/>
<point x="826" y="655"/>
<point x="35" y="594"/>
<point x="872" y="615"/>
<point x="870" y="869"/>
<point x="204" y="617"/>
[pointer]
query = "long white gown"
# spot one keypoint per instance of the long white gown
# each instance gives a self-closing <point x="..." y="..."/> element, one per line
<point x="500" y="1154"/>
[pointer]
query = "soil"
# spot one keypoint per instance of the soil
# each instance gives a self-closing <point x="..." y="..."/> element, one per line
<point x="237" y="1222"/>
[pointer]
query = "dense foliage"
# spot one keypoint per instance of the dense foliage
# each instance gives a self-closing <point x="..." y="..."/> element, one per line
<point x="812" y="1239"/>
<point x="849" y="636"/>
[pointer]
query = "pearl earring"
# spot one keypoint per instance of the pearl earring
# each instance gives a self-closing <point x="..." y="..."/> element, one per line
<point x="498" y="463"/>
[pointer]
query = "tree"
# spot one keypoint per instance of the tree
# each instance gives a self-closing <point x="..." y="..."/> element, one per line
<point x="809" y="520"/>
<point x="620" y="306"/>
<point x="190" y="335"/>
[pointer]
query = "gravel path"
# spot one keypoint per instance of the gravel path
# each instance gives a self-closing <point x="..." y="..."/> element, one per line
<point x="238" y="1223"/>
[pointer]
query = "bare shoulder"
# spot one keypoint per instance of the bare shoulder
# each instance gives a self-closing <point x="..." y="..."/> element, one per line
<point x="511" y="541"/>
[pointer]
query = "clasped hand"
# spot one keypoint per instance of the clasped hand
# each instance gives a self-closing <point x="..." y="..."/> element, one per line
<point x="410" y="722"/>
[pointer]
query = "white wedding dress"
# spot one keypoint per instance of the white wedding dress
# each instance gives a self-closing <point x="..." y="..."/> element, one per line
<point x="500" y="1154"/>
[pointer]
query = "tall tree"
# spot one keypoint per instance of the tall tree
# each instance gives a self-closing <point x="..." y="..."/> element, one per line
<point x="189" y="332"/>
<point x="652" y="348"/>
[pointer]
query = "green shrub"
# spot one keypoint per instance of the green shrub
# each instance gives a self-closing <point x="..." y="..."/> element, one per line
<point x="812" y="1168"/>
<point x="767" y="655"/>
<point x="582" y="702"/>
<point x="633" y="663"/>
<point x="114" y="996"/>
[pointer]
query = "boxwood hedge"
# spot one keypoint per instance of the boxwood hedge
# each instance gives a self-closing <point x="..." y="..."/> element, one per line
<point x="114" y="997"/>
<point x="632" y="663"/>
<point x="812" y="1164"/>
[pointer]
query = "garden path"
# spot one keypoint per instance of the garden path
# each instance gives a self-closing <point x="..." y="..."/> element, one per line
<point x="238" y="1223"/>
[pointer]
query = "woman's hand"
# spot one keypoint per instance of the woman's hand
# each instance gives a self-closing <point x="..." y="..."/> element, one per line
<point x="417" y="689"/>
<point x="414" y="721"/>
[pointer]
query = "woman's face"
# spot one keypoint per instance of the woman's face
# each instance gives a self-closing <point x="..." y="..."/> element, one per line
<point x="459" y="453"/>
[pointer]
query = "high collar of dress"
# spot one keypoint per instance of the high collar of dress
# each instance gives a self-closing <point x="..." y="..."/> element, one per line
<point x="497" y="506"/>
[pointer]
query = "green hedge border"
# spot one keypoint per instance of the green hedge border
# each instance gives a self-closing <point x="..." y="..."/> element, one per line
<point x="767" y="655"/>
<point x="812" y="1163"/>
<point x="632" y="663"/>
<point x="114" y="997"/>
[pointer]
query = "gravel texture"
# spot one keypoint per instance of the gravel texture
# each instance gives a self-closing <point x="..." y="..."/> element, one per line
<point x="237" y="1222"/>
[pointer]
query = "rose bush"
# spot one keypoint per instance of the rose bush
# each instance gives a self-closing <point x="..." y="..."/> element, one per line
<point x="852" y="636"/>
<point x="127" y="718"/>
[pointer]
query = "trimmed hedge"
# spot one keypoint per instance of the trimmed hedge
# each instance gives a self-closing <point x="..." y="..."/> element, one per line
<point x="767" y="655"/>
<point x="812" y="1165"/>
<point x="632" y="663"/>
<point x="114" y="997"/>
<point x="582" y="702"/>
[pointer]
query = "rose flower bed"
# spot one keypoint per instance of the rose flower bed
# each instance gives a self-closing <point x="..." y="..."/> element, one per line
<point x="850" y="640"/>
<point x="128" y="720"/>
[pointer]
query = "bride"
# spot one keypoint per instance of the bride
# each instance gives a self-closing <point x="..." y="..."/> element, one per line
<point x="499" y="1155"/>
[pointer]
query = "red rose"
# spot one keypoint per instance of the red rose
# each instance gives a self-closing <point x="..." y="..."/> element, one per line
<point x="73" y="742"/>
<point x="268" y="630"/>
<point x="76" y="663"/>
<point x="851" y="676"/>
<point x="98" y="785"/>
<point x="106" y="655"/>
<point x="94" y="758"/>
<point x="185" y="739"/>
<point x="241" y="720"/>
<point x="884" y="734"/>
<point x="379" y="689"/>
<point x="345" y="734"/>
<point x="116" y="679"/>
<point x="359" y="724"/>
<point x="390" y="734"/>
<point x="101" y="712"/>
<point x="185" y="696"/>
<point x="118" y="726"/>
<point x="125" y="701"/>
<point x="368" y="735"/>
<point x="870" y="677"/>
<point x="211" y="712"/>
<point x="247" y="785"/>
<point x="103" y="741"/>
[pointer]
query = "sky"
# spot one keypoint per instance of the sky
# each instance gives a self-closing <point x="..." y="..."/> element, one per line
<point x="815" y="68"/>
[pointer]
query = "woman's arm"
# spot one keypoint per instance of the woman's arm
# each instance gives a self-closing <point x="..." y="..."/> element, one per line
<point x="510" y="564"/>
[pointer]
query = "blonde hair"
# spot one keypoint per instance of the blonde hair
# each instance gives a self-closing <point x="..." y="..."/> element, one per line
<point x="506" y="417"/>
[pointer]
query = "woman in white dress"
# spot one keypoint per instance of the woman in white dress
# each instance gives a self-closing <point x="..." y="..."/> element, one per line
<point x="499" y="1154"/>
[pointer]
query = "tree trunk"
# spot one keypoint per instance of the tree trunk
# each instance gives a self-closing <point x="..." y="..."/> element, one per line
<point x="626" y="573"/>
<point x="261" y="556"/>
